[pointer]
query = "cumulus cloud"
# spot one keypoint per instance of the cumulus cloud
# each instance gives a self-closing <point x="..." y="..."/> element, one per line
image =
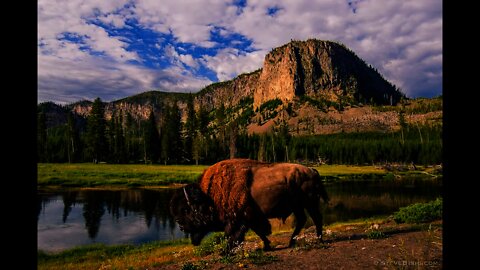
<point x="96" y="63"/>
<point x="180" y="59"/>
<point x="79" y="58"/>
<point x="380" y="32"/>
<point x="67" y="80"/>
<point x="188" y="21"/>
<point x="117" y="21"/>
<point x="58" y="17"/>
<point x="230" y="62"/>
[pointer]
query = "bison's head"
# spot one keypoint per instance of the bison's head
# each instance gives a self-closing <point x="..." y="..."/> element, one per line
<point x="194" y="212"/>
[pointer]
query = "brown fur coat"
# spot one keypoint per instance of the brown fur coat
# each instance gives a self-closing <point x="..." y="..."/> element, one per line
<point x="227" y="183"/>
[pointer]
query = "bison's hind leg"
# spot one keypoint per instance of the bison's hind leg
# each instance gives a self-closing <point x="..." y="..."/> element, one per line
<point x="317" y="218"/>
<point x="300" y="219"/>
<point x="262" y="228"/>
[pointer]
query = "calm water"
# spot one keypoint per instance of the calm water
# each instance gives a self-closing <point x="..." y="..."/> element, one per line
<point x="72" y="217"/>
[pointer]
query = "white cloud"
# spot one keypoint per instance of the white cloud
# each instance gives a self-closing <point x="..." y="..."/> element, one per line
<point x="381" y="32"/>
<point x="178" y="59"/>
<point x="230" y="62"/>
<point x="188" y="21"/>
<point x="69" y="79"/>
<point x="402" y="39"/>
<point x="58" y="17"/>
<point x="188" y="60"/>
<point x="68" y="73"/>
<point x="117" y="21"/>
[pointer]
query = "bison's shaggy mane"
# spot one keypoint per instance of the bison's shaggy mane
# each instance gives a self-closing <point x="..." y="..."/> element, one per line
<point x="228" y="183"/>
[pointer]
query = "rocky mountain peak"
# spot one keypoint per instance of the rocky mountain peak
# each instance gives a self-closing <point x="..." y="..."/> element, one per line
<point x="325" y="74"/>
<point x="323" y="70"/>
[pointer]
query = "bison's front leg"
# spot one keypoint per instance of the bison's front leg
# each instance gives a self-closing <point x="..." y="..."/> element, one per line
<point x="235" y="234"/>
<point x="262" y="227"/>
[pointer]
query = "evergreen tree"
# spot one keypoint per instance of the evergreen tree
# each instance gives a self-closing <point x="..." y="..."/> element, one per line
<point x="111" y="140"/>
<point x="190" y="127"/>
<point x="131" y="139"/>
<point x="200" y="143"/>
<point x="120" y="149"/>
<point x="152" y="139"/>
<point x="233" y="134"/>
<point x="220" y="118"/>
<point x="42" y="137"/>
<point x="96" y="126"/>
<point x="171" y="135"/>
<point x="73" y="139"/>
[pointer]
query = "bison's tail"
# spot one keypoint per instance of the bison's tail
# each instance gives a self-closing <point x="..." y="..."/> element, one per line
<point x="321" y="189"/>
<point x="324" y="195"/>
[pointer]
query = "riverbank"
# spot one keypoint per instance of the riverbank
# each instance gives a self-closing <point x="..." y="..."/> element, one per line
<point x="368" y="243"/>
<point x="140" y="175"/>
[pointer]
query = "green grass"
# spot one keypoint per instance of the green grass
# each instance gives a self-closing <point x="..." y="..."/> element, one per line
<point x="335" y="170"/>
<point x="96" y="256"/>
<point x="374" y="234"/>
<point x="420" y="212"/>
<point x="91" y="175"/>
<point x="137" y="175"/>
<point x="213" y="243"/>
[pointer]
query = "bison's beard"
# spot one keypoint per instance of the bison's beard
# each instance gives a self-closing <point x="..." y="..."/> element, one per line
<point x="197" y="237"/>
<point x="194" y="212"/>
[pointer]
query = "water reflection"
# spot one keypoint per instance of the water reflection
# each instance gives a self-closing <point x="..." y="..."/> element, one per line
<point x="70" y="218"/>
<point x="360" y="199"/>
<point x="77" y="217"/>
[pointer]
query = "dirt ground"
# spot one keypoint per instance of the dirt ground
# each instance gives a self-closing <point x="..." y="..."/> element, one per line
<point x="351" y="247"/>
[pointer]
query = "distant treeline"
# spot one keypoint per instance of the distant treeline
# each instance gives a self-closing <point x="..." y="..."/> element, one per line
<point x="207" y="137"/>
<point x="420" y="145"/>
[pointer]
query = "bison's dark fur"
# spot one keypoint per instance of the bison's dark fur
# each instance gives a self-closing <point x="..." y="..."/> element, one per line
<point x="240" y="194"/>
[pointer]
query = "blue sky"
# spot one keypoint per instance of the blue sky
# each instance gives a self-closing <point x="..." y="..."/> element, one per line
<point x="114" y="49"/>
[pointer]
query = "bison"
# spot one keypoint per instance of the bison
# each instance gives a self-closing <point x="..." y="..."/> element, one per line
<point x="240" y="194"/>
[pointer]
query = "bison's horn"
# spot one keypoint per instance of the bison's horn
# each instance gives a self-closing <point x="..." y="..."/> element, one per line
<point x="186" y="196"/>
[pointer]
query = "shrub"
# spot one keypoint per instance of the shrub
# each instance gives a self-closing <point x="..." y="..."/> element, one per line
<point x="214" y="242"/>
<point x="240" y="254"/>
<point x="270" y="105"/>
<point x="190" y="266"/>
<point x="420" y="212"/>
<point x="374" y="234"/>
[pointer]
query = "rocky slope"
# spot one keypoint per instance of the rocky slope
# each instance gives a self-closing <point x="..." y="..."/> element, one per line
<point x="315" y="86"/>
<point x="322" y="70"/>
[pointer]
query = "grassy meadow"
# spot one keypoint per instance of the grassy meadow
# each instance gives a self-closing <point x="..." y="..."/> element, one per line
<point x="137" y="175"/>
<point x="131" y="175"/>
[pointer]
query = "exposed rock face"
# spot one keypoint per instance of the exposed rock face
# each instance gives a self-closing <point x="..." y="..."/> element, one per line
<point x="137" y="111"/>
<point x="82" y="108"/>
<point x="322" y="70"/>
<point x="325" y="72"/>
<point x="228" y="93"/>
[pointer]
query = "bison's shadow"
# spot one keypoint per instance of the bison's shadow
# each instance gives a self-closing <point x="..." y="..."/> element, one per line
<point x="350" y="237"/>
<point x="359" y="236"/>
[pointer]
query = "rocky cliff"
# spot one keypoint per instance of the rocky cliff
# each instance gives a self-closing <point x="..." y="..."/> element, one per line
<point x="312" y="78"/>
<point x="228" y="93"/>
<point x="322" y="70"/>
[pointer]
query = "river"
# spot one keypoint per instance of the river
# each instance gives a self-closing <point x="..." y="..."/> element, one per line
<point x="73" y="217"/>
